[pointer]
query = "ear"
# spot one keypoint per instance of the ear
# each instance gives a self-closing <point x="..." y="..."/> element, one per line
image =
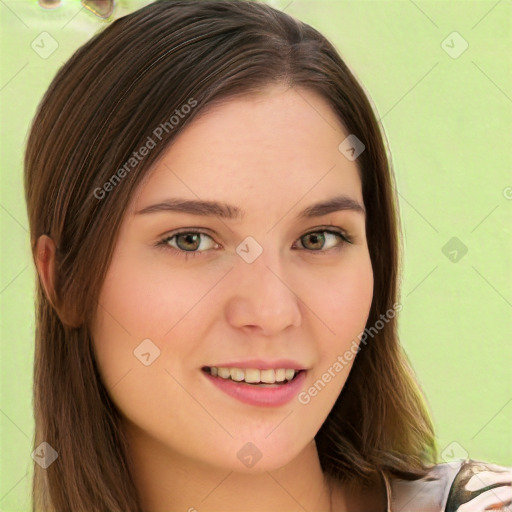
<point x="45" y="257"/>
<point x="45" y="263"/>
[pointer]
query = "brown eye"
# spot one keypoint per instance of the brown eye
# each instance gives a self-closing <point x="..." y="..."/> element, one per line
<point x="315" y="241"/>
<point x="188" y="241"/>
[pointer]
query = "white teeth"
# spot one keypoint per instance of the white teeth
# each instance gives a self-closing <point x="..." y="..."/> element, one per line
<point x="281" y="375"/>
<point x="223" y="372"/>
<point x="268" y="376"/>
<point x="289" y="374"/>
<point x="253" y="375"/>
<point x="237" y="374"/>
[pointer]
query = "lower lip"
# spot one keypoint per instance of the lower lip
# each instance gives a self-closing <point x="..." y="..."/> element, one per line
<point x="257" y="395"/>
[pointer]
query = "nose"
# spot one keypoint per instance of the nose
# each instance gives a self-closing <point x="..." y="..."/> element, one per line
<point x="262" y="300"/>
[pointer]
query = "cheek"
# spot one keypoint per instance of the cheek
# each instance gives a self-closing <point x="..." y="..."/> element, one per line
<point x="147" y="299"/>
<point x="343" y="307"/>
<point x="346" y="298"/>
<point x="139" y="302"/>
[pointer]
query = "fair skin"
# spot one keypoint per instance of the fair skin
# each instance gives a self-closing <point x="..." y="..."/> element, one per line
<point x="271" y="155"/>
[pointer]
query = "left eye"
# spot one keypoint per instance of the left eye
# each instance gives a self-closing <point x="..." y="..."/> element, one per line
<point x="319" y="238"/>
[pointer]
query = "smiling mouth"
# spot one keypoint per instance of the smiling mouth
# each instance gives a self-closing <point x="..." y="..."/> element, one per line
<point x="254" y="376"/>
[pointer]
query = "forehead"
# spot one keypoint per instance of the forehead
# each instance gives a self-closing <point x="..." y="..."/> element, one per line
<point x="273" y="148"/>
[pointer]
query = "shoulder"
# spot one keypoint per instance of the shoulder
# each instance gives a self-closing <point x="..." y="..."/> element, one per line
<point x="461" y="486"/>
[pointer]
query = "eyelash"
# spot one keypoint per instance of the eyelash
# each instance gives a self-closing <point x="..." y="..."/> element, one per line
<point x="164" y="245"/>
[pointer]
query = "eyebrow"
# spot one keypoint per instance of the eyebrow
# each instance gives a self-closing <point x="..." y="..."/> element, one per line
<point x="230" y="212"/>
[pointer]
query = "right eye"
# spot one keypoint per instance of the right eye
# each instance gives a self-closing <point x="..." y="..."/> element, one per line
<point x="187" y="242"/>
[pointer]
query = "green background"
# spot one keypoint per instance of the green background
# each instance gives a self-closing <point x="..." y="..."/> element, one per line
<point x="448" y="122"/>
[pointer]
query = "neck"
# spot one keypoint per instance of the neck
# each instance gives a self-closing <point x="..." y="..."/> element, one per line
<point x="166" y="480"/>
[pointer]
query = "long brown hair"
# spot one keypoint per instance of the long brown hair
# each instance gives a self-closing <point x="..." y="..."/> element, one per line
<point x="102" y="105"/>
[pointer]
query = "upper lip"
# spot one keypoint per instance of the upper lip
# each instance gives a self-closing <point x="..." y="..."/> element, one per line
<point x="261" y="364"/>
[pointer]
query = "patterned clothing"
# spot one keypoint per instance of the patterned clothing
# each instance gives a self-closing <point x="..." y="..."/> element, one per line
<point x="461" y="486"/>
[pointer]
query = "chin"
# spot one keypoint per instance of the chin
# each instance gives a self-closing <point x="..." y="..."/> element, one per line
<point x="261" y="454"/>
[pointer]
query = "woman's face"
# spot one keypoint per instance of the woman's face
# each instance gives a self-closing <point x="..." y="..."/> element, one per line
<point x="268" y="289"/>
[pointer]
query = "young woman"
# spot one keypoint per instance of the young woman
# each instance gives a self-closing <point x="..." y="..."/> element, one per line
<point x="214" y="225"/>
